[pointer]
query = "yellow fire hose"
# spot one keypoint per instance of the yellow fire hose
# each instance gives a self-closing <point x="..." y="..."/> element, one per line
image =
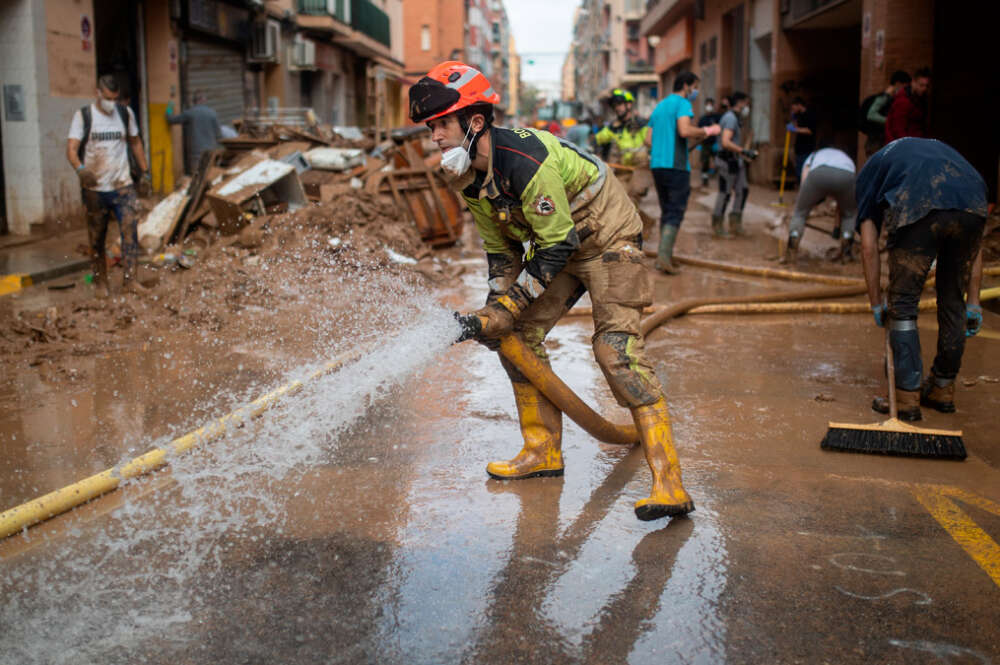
<point x="756" y="271"/>
<point x="660" y="317"/>
<point x="781" y="303"/>
<point x="925" y="305"/>
<point x="543" y="378"/>
<point x="71" y="496"/>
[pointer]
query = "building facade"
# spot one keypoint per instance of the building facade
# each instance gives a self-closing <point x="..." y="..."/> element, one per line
<point x="342" y="58"/>
<point x="476" y="32"/>
<point x="608" y="52"/>
<point x="833" y="53"/>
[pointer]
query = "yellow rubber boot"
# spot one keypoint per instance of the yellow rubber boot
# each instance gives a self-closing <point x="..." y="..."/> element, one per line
<point x="668" y="497"/>
<point x="541" y="427"/>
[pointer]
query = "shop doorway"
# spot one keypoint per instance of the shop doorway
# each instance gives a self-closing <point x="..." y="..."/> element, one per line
<point x="965" y="88"/>
<point x="117" y="49"/>
<point x="830" y="43"/>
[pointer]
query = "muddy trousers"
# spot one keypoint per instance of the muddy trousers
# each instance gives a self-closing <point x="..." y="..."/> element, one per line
<point x="732" y="185"/>
<point x="101" y="207"/>
<point x="821" y="182"/>
<point x="705" y="157"/>
<point x="637" y="184"/>
<point x="953" y="237"/>
<point x="673" y="187"/>
<point x="619" y="286"/>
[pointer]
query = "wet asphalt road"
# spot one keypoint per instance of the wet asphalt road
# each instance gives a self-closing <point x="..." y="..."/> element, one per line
<point x="358" y="525"/>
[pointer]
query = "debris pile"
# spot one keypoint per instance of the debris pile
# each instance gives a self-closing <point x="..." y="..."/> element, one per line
<point x="274" y="169"/>
<point x="245" y="281"/>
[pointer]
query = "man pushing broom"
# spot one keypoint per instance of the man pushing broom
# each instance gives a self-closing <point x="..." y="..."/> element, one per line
<point x="933" y="204"/>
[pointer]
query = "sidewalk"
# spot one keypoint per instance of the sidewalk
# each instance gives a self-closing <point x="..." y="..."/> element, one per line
<point x="22" y="265"/>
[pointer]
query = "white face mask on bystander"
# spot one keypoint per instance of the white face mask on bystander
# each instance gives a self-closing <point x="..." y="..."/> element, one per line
<point x="107" y="105"/>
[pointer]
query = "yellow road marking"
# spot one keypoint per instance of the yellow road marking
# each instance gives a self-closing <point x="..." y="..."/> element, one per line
<point x="976" y="542"/>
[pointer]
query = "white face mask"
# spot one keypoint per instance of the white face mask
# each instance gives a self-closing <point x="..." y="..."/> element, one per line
<point x="709" y="108"/>
<point x="745" y="112"/>
<point x="107" y="105"/>
<point x="456" y="161"/>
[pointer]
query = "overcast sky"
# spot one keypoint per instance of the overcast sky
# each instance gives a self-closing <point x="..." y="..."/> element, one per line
<point x="542" y="31"/>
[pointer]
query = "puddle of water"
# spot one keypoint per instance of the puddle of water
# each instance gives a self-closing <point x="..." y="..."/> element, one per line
<point x="141" y="577"/>
<point x="488" y="570"/>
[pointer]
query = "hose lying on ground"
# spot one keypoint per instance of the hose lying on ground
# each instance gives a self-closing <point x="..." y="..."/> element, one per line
<point x="757" y="271"/>
<point x="660" y="317"/>
<point x="781" y="303"/>
<point x="71" y="496"/>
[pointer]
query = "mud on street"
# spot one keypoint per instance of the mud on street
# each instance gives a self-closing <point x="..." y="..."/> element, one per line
<point x="354" y="521"/>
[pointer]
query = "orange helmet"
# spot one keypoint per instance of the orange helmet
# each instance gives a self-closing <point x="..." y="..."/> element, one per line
<point x="447" y="88"/>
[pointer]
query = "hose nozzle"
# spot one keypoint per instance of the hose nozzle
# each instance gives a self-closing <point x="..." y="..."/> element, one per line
<point x="471" y="324"/>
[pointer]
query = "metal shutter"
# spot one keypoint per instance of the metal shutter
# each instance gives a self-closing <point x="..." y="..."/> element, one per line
<point x="218" y="72"/>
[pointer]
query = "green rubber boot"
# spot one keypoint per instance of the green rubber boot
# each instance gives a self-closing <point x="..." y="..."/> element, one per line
<point x="736" y="224"/>
<point x="665" y="255"/>
<point x="718" y="230"/>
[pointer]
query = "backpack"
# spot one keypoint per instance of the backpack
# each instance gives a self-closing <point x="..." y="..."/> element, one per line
<point x="133" y="164"/>
<point x="865" y="126"/>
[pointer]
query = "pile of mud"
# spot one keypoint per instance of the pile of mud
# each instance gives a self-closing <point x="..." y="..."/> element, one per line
<point x="322" y="252"/>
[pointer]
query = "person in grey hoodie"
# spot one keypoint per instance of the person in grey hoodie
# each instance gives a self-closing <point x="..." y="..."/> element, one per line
<point x="201" y="128"/>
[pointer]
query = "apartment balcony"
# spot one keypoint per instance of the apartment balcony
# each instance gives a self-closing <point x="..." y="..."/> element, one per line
<point x="368" y="19"/>
<point x="357" y="25"/>
<point x="661" y="14"/>
<point x="338" y="9"/>
<point x="325" y="18"/>
<point x="638" y="66"/>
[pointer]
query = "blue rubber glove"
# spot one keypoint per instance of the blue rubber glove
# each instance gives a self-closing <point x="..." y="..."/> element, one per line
<point x="170" y="107"/>
<point x="878" y="311"/>
<point x="791" y="127"/>
<point x="973" y="320"/>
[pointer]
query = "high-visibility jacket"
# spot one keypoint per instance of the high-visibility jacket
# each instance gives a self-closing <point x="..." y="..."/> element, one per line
<point x="526" y="199"/>
<point x="629" y="140"/>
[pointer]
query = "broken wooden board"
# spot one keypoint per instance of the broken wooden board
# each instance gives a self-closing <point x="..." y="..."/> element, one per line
<point x="162" y="220"/>
<point x="253" y="191"/>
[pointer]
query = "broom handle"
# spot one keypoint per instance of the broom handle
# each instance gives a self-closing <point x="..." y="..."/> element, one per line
<point x="891" y="368"/>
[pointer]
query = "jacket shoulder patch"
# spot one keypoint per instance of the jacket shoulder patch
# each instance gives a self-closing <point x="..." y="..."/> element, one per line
<point x="544" y="205"/>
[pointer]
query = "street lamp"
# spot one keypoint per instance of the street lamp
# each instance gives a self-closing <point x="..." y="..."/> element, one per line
<point x="653" y="40"/>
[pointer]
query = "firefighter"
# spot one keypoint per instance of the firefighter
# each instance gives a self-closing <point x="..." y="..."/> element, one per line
<point x="527" y="188"/>
<point x="623" y="142"/>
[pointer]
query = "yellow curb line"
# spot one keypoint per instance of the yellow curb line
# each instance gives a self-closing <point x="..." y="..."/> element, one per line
<point x="976" y="542"/>
<point x="936" y="499"/>
<point x="15" y="282"/>
<point x="59" y="501"/>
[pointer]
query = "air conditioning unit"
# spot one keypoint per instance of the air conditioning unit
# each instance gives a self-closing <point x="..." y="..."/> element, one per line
<point x="265" y="40"/>
<point x="302" y="54"/>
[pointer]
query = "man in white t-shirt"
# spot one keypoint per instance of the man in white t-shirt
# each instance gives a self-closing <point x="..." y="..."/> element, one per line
<point x="826" y="172"/>
<point x="100" y="155"/>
